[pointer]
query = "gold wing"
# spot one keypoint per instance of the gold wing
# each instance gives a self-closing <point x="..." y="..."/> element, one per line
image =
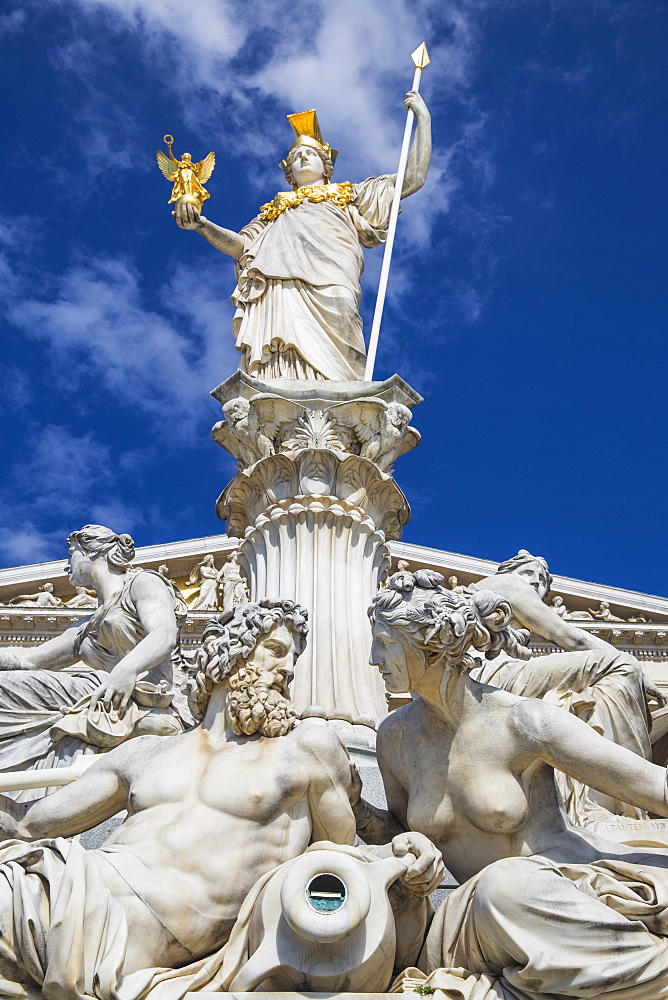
<point x="204" y="168"/>
<point x="167" y="166"/>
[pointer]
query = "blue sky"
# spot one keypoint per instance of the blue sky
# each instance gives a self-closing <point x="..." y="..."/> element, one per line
<point x="528" y="296"/>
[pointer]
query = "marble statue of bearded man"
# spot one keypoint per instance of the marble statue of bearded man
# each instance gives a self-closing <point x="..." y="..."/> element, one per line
<point x="299" y="262"/>
<point x="148" y="915"/>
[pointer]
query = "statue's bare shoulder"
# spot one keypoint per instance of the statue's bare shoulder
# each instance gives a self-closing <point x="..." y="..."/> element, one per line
<point x="321" y="743"/>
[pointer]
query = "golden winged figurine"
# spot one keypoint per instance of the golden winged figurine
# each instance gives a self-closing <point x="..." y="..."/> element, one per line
<point x="187" y="177"/>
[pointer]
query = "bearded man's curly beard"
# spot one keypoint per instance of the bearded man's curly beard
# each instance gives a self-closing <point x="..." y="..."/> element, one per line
<point x="256" y="703"/>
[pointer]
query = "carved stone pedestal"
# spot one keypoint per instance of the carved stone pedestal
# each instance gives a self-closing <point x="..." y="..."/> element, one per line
<point x="315" y="504"/>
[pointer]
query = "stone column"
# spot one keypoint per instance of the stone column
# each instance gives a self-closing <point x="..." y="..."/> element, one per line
<point x="314" y="513"/>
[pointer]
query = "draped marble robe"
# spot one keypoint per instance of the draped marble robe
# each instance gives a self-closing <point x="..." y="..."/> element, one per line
<point x="298" y="286"/>
<point x="44" y="713"/>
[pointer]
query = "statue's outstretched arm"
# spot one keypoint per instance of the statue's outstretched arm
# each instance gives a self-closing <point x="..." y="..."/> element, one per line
<point x="419" y="157"/>
<point x="532" y="613"/>
<point x="97" y="795"/>
<point x="569" y="744"/>
<point x="225" y="240"/>
<point x="54" y="654"/>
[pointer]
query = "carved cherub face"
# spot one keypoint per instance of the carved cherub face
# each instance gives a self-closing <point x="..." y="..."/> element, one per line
<point x="398" y="415"/>
<point x="237" y="411"/>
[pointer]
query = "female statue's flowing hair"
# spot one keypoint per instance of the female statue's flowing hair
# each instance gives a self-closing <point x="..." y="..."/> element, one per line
<point x="445" y="623"/>
<point x="95" y="539"/>
<point x="255" y="703"/>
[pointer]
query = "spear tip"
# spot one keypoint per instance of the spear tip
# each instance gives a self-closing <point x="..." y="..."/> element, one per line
<point x="420" y="57"/>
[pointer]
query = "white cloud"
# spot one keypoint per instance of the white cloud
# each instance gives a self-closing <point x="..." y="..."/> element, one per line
<point x="67" y="481"/>
<point x="96" y="320"/>
<point x="26" y="543"/>
<point x="12" y="23"/>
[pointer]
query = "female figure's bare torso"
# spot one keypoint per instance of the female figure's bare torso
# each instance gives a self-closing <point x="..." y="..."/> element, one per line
<point x="479" y="791"/>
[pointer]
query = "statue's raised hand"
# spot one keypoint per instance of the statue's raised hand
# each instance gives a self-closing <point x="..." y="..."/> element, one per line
<point x="186" y="216"/>
<point x="414" y="102"/>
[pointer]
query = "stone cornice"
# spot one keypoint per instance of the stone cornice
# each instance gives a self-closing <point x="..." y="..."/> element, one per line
<point x="472" y="568"/>
<point x="180" y="555"/>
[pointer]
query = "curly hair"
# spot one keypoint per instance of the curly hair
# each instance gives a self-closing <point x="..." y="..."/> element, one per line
<point x="95" y="539"/>
<point x="326" y="162"/>
<point x="228" y="642"/>
<point x="447" y="623"/>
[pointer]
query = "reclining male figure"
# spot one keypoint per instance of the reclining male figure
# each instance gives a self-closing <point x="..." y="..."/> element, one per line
<point x="210" y="811"/>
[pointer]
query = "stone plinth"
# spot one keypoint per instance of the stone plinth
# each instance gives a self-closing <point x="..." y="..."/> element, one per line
<point x="315" y="504"/>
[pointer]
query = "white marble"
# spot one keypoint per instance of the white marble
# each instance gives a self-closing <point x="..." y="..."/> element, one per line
<point x="314" y="513"/>
<point x="591" y="679"/>
<point x="298" y="272"/>
<point x="108" y="677"/>
<point x="166" y="905"/>
<point x="472" y="767"/>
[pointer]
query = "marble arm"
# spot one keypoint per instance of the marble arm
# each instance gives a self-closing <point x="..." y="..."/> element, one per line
<point x="530" y="611"/>
<point x="155" y="608"/>
<point x="225" y="240"/>
<point x="326" y="767"/>
<point x="570" y="745"/>
<point x="54" y="654"/>
<point x="419" y="156"/>
<point x="97" y="795"/>
<point x="375" y="825"/>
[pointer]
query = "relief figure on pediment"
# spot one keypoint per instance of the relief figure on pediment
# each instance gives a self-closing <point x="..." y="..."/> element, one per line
<point x="111" y="676"/>
<point x="44" y="598"/>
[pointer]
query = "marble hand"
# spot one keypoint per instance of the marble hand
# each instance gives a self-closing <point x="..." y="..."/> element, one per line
<point x="652" y="692"/>
<point x="10" y="661"/>
<point x="355" y="786"/>
<point x="115" y="692"/>
<point x="186" y="216"/>
<point x="426" y="872"/>
<point x="415" y="103"/>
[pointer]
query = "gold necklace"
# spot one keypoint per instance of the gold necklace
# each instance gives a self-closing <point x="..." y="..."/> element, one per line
<point x="339" y="195"/>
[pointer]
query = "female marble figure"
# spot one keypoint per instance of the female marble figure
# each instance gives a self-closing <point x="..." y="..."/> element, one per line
<point x="44" y="598"/>
<point x="602" y="685"/>
<point x="233" y="584"/>
<point x="549" y="909"/>
<point x="299" y="261"/>
<point x="208" y="578"/>
<point x="81" y="691"/>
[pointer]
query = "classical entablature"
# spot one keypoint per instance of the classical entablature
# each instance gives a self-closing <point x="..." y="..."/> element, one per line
<point x="648" y="640"/>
